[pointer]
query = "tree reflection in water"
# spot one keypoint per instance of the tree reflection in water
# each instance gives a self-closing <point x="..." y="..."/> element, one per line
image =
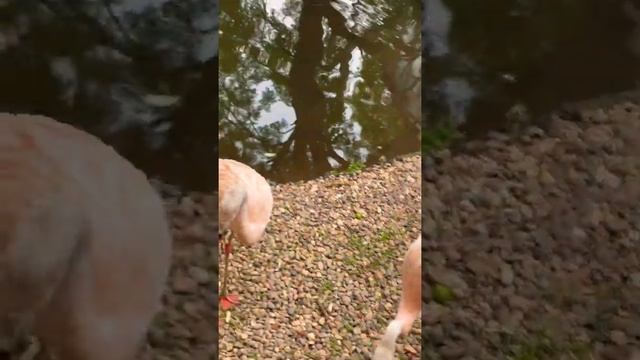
<point x="483" y="58"/>
<point x="309" y="86"/>
<point x="141" y="75"/>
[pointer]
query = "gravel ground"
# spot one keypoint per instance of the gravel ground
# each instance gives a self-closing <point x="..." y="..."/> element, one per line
<point x="186" y="327"/>
<point x="314" y="300"/>
<point x="324" y="282"/>
<point x="533" y="241"/>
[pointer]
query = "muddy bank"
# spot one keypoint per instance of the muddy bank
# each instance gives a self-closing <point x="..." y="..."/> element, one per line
<point x="533" y="240"/>
<point x="324" y="282"/>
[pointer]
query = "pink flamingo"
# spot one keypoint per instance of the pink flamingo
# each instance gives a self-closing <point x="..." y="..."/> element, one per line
<point x="85" y="248"/>
<point x="410" y="302"/>
<point x="244" y="208"/>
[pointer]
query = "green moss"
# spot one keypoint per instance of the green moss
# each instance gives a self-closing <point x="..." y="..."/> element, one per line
<point x="351" y="169"/>
<point x="334" y="347"/>
<point x="541" y="346"/>
<point x="439" y="137"/>
<point x="354" y="168"/>
<point x="326" y="287"/>
<point x="442" y="294"/>
<point x="387" y="234"/>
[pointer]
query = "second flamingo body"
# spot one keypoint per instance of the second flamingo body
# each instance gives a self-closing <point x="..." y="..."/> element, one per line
<point x="245" y="202"/>
<point x="410" y="302"/>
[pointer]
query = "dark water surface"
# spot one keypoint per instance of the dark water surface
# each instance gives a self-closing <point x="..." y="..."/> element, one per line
<point x="140" y="74"/>
<point x="484" y="58"/>
<point x="309" y="86"/>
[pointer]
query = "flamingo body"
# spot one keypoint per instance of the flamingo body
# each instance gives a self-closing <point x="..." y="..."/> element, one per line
<point x="85" y="247"/>
<point x="245" y="201"/>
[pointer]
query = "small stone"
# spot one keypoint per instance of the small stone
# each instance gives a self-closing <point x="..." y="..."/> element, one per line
<point x="410" y="349"/>
<point x="618" y="337"/>
<point x="634" y="279"/>
<point x="546" y="178"/>
<point x="433" y="313"/>
<point x="192" y="309"/>
<point x="200" y="275"/>
<point x="452" y="351"/>
<point x="187" y="207"/>
<point x="184" y="284"/>
<point x="578" y="234"/>
<point x="180" y="331"/>
<point x="605" y="177"/>
<point x="506" y="274"/>
<point x="195" y="232"/>
<point x="449" y="279"/>
<point x="597" y="136"/>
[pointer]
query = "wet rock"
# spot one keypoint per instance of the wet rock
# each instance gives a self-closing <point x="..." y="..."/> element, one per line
<point x="448" y="278"/>
<point x="195" y="233"/>
<point x="434" y="313"/>
<point x="452" y="351"/>
<point x="618" y="337"/>
<point x="506" y="274"/>
<point x="184" y="284"/>
<point x="200" y="275"/>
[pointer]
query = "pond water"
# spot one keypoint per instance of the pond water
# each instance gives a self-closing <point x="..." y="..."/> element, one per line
<point x="486" y="61"/>
<point x="312" y="86"/>
<point x="139" y="74"/>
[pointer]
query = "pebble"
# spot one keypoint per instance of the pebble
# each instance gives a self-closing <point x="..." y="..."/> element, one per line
<point x="183" y="284"/>
<point x="618" y="337"/>
<point x="200" y="275"/>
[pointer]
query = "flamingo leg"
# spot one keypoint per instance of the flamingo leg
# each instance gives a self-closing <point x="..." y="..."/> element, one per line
<point x="226" y="250"/>
<point x="227" y="301"/>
